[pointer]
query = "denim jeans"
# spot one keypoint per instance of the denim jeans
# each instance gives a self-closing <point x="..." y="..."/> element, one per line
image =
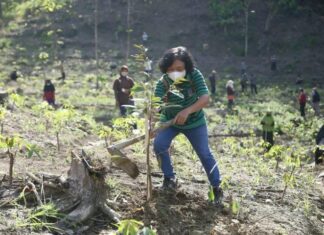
<point x="198" y="138"/>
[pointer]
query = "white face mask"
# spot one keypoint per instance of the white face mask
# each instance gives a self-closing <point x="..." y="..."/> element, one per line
<point x="176" y="75"/>
<point x="124" y="74"/>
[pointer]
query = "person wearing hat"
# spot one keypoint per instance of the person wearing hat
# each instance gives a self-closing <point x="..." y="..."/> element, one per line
<point x="268" y="124"/>
<point x="230" y="93"/>
<point x="122" y="89"/>
<point x="49" y="92"/>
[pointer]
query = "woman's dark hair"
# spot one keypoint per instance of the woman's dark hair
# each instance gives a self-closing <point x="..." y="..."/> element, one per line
<point x="176" y="53"/>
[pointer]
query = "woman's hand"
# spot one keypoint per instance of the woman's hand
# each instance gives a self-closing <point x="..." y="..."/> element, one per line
<point x="182" y="117"/>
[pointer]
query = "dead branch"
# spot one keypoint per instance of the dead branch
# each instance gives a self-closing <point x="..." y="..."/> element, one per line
<point x="38" y="180"/>
<point x="32" y="187"/>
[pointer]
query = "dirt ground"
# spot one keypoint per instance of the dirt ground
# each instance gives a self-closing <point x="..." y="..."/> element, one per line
<point x="186" y="211"/>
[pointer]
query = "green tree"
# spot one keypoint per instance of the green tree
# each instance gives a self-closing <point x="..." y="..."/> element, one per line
<point x="96" y="41"/>
<point x="225" y="13"/>
<point x="230" y="12"/>
<point x="129" y="30"/>
<point x="246" y="8"/>
<point x="1" y="9"/>
<point x="276" y="6"/>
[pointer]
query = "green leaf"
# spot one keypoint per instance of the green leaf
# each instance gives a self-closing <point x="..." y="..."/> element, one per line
<point x="148" y="231"/>
<point x="137" y="88"/>
<point x="180" y="81"/>
<point x="235" y="207"/>
<point x="129" y="227"/>
<point x="211" y="196"/>
<point x="10" y="141"/>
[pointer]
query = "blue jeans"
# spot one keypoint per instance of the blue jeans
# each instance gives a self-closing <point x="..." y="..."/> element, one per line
<point x="198" y="138"/>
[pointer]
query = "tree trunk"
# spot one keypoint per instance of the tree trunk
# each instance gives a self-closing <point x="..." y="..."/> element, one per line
<point x="1" y="14"/>
<point x="268" y="22"/>
<point x="246" y="45"/>
<point x="128" y="30"/>
<point x="272" y="10"/>
<point x="96" y="42"/>
<point x="110" y="6"/>
<point x="147" y="149"/>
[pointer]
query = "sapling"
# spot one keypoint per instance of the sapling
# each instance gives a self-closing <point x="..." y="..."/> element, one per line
<point x="276" y="153"/>
<point x="2" y="118"/>
<point x="149" y="106"/>
<point x="9" y="143"/>
<point x="105" y="133"/>
<point x="43" y="57"/>
<point x="289" y="177"/>
<point x="16" y="100"/>
<point x="59" y="119"/>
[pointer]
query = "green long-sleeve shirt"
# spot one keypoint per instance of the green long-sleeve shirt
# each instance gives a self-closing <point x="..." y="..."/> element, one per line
<point x="268" y="123"/>
<point x="184" y="95"/>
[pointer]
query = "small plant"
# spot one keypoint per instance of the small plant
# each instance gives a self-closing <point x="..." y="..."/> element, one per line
<point x="104" y="132"/>
<point x="235" y="207"/>
<point x="211" y="195"/>
<point x="132" y="227"/>
<point x="129" y="227"/>
<point x="289" y="177"/>
<point x="16" y="100"/>
<point x="3" y="112"/>
<point x="32" y="149"/>
<point x="124" y="125"/>
<point x="10" y="144"/>
<point x="276" y="153"/>
<point x="42" y="218"/>
<point x="59" y="119"/>
<point x="112" y="183"/>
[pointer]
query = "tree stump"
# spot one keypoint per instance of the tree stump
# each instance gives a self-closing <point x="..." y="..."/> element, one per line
<point x="79" y="195"/>
<point x="86" y="182"/>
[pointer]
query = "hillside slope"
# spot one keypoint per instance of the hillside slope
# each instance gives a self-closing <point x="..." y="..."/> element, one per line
<point x="296" y="39"/>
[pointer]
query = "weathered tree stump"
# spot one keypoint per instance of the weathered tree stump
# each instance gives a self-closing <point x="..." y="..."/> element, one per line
<point x="86" y="182"/>
<point x="80" y="195"/>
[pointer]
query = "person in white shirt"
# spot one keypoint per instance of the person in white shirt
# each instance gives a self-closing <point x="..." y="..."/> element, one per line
<point x="148" y="65"/>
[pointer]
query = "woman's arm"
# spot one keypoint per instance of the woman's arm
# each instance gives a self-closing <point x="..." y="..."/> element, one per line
<point x="182" y="116"/>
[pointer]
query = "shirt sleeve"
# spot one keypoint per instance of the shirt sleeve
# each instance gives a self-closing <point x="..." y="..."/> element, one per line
<point x="159" y="89"/>
<point x="131" y="81"/>
<point x="199" y="83"/>
<point x="115" y="86"/>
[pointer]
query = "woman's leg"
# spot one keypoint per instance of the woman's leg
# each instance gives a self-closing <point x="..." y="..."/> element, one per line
<point x="162" y="144"/>
<point x="302" y="110"/>
<point x="198" y="138"/>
